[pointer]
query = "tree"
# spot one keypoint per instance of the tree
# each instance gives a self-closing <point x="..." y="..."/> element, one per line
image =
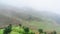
<point x="54" y="32"/>
<point x="8" y="29"/>
<point x="20" y="25"/>
<point x="26" y="29"/>
<point x="32" y="33"/>
<point x="40" y="31"/>
<point x="45" y="33"/>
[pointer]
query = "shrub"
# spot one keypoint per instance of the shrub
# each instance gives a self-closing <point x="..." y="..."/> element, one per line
<point x="54" y="32"/>
<point x="8" y="29"/>
<point x="26" y="29"/>
<point x="40" y="30"/>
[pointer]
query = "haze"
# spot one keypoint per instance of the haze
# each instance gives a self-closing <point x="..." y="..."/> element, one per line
<point x="41" y="5"/>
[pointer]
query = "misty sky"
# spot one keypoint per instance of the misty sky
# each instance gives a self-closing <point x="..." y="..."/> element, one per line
<point x="43" y="5"/>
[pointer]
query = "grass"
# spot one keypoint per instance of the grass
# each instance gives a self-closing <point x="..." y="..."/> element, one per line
<point x="47" y="25"/>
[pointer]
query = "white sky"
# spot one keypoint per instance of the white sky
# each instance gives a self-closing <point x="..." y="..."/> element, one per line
<point x="44" y="5"/>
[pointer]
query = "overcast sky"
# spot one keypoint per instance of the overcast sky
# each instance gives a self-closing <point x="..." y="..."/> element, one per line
<point x="44" y="5"/>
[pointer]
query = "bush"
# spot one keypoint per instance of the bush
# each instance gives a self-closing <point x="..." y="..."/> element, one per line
<point x="45" y="33"/>
<point x="40" y="30"/>
<point x="8" y="29"/>
<point x="20" y="25"/>
<point x="26" y="29"/>
<point x="54" y="32"/>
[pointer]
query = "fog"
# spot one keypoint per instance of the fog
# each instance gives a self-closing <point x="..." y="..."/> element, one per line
<point x="34" y="14"/>
<point x="41" y="5"/>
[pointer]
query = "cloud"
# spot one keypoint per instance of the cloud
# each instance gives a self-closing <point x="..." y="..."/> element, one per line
<point x="48" y="5"/>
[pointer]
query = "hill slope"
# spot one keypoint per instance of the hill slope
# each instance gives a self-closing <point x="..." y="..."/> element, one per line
<point x="30" y="18"/>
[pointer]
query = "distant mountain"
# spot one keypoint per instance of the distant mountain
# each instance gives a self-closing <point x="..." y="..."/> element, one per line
<point x="26" y="12"/>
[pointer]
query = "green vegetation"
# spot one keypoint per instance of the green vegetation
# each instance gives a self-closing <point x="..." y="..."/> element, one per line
<point x="13" y="29"/>
<point x="54" y="32"/>
<point x="43" y="23"/>
<point x="8" y="29"/>
<point x="40" y="31"/>
<point x="16" y="30"/>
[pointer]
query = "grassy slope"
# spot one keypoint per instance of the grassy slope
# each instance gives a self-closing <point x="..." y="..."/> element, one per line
<point x="47" y="25"/>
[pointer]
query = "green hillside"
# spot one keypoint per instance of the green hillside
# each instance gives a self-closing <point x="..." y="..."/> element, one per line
<point x="30" y="18"/>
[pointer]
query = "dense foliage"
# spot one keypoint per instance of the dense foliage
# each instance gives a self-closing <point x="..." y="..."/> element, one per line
<point x="15" y="30"/>
<point x="11" y="29"/>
